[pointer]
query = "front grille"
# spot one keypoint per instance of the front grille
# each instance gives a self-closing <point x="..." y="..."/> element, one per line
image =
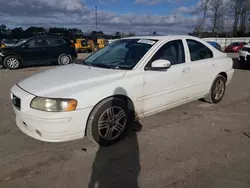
<point x="16" y="101"/>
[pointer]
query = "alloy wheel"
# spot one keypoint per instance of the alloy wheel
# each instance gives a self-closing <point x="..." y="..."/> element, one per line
<point x="219" y="90"/>
<point x="13" y="63"/>
<point x="112" y="123"/>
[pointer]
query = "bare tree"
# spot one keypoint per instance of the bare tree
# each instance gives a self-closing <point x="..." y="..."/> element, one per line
<point x="239" y="10"/>
<point x="217" y="7"/>
<point x="205" y="5"/>
<point x="244" y="15"/>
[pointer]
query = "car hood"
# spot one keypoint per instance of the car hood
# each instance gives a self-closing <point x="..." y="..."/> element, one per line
<point x="54" y="82"/>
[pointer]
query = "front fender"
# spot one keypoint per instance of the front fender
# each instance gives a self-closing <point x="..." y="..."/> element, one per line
<point x="131" y="87"/>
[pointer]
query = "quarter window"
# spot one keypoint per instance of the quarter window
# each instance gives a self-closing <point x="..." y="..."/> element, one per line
<point x="198" y="51"/>
<point x="172" y="51"/>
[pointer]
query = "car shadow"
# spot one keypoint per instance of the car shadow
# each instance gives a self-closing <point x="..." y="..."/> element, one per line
<point x="118" y="165"/>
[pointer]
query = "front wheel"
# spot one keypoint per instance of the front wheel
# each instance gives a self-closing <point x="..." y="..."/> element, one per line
<point x="217" y="90"/>
<point x="12" y="62"/>
<point x="64" y="59"/>
<point x="108" y="121"/>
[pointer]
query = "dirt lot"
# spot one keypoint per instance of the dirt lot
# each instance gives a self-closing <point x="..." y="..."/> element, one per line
<point x="196" y="145"/>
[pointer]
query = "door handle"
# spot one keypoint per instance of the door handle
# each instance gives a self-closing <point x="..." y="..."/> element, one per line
<point x="185" y="70"/>
<point x="214" y="65"/>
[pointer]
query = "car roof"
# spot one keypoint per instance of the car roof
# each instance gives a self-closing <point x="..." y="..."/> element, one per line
<point x="41" y="37"/>
<point x="162" y="38"/>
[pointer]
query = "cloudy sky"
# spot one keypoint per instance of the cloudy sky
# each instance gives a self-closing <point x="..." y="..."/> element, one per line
<point x="140" y="16"/>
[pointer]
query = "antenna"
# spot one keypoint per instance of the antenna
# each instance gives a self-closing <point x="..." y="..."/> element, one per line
<point x="96" y="18"/>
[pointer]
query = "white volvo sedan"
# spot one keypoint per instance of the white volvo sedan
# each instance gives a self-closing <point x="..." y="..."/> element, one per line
<point x="129" y="79"/>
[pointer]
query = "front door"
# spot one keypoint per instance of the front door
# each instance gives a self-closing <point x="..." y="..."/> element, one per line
<point x="168" y="87"/>
<point x="30" y="52"/>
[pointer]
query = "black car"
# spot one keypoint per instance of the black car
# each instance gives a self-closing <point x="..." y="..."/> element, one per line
<point x="38" y="50"/>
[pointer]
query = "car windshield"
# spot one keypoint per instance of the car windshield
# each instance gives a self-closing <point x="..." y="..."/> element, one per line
<point x="120" y="54"/>
<point x="20" y="43"/>
<point x="235" y="44"/>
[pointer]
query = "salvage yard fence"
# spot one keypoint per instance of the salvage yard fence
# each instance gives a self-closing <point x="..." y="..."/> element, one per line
<point x="221" y="41"/>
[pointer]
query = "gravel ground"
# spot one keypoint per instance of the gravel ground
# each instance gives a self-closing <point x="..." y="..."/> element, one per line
<point x="195" y="145"/>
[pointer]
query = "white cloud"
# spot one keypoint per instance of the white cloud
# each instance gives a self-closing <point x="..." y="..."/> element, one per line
<point x="74" y="13"/>
<point x="154" y="2"/>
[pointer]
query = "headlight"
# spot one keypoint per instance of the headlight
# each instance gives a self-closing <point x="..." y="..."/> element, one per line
<point x="1" y="54"/>
<point x="53" y="105"/>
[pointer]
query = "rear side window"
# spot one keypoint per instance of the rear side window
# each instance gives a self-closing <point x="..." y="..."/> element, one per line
<point x="56" y="42"/>
<point x="198" y="51"/>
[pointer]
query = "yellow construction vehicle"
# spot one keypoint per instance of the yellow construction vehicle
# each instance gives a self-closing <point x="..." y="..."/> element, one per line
<point x="98" y="43"/>
<point x="90" y="44"/>
<point x="82" y="45"/>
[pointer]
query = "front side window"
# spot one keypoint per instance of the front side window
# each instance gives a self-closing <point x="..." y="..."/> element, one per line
<point x="123" y="54"/>
<point x="31" y="44"/>
<point x="198" y="51"/>
<point x="172" y="51"/>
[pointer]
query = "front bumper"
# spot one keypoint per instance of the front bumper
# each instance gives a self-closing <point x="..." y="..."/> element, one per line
<point x="49" y="126"/>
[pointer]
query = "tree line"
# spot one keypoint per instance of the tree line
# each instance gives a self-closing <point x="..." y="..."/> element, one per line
<point x="221" y="14"/>
<point x="72" y="33"/>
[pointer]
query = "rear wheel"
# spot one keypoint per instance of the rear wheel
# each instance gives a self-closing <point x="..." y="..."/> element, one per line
<point x="64" y="59"/>
<point x="217" y="90"/>
<point x="12" y="62"/>
<point x="108" y="122"/>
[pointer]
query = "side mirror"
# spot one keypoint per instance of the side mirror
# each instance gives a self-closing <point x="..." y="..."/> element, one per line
<point x="159" y="64"/>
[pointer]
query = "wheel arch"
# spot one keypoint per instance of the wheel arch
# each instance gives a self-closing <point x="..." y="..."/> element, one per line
<point x="123" y="97"/>
<point x="224" y="75"/>
<point x="14" y="54"/>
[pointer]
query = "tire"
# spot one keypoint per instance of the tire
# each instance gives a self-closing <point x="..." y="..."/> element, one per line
<point x="99" y="134"/>
<point x="12" y="62"/>
<point x="216" y="90"/>
<point x="64" y="59"/>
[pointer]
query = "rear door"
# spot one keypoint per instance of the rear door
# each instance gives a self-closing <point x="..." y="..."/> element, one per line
<point x="55" y="48"/>
<point x="45" y="47"/>
<point x="202" y="67"/>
